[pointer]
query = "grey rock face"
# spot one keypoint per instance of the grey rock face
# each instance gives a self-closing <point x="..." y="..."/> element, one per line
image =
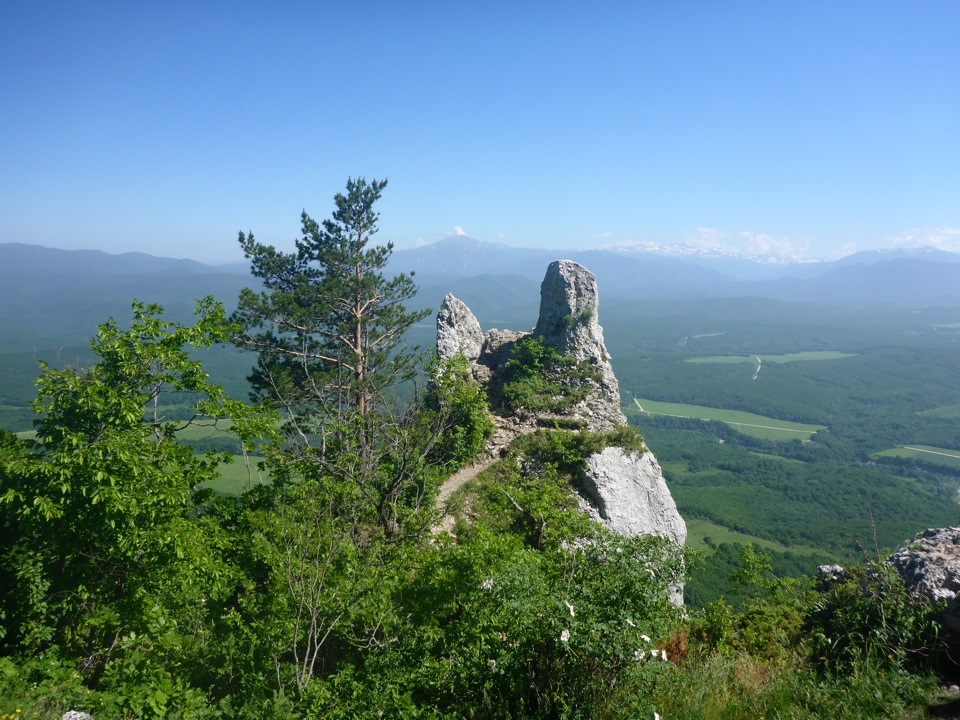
<point x="458" y="330"/>
<point x="569" y="320"/>
<point x="626" y="492"/>
<point x="568" y="310"/>
<point x="829" y="576"/>
<point x="930" y="568"/>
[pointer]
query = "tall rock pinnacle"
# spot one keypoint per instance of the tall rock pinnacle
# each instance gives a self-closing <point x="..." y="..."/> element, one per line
<point x="569" y="320"/>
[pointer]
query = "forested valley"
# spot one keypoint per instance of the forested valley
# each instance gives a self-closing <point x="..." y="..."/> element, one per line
<point x="184" y="536"/>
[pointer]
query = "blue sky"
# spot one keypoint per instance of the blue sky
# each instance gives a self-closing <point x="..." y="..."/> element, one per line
<point x="806" y="129"/>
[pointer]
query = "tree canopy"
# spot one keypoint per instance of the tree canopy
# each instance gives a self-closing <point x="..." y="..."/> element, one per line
<point x="328" y="325"/>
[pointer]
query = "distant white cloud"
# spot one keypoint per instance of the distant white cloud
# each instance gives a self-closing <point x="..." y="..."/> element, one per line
<point x="842" y="252"/>
<point x="748" y="244"/>
<point x="499" y="236"/>
<point x="708" y="238"/>
<point x="457" y="230"/>
<point x="420" y="242"/>
<point x="944" y="238"/>
<point x="603" y="235"/>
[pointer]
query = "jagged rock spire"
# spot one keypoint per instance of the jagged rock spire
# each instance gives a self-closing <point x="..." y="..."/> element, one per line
<point x="569" y="320"/>
<point x="623" y="490"/>
<point x="458" y="330"/>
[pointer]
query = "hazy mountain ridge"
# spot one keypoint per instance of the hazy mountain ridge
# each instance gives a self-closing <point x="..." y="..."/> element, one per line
<point x="51" y="296"/>
<point x="898" y="277"/>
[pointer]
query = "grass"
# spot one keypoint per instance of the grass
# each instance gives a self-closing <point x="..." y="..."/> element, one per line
<point x="747" y="423"/>
<point x="927" y="453"/>
<point x="736" y="685"/>
<point x="237" y="477"/>
<point x="787" y="358"/>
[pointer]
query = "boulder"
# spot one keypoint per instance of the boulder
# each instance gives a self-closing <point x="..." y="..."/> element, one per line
<point x="930" y="568"/>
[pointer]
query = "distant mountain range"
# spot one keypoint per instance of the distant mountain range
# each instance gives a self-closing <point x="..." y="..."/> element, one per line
<point x="901" y="278"/>
<point x="52" y="297"/>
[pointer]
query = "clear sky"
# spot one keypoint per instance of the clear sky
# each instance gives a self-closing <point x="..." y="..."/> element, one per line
<point x="809" y="127"/>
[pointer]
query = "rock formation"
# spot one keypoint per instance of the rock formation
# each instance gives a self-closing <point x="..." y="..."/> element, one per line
<point x="930" y="568"/>
<point x="569" y="312"/>
<point x="458" y="330"/>
<point x="623" y="490"/>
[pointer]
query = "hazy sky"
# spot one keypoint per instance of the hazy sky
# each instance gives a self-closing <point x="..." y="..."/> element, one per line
<point x="167" y="127"/>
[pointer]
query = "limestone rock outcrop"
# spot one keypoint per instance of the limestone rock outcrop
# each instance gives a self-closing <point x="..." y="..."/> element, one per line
<point x="458" y="330"/>
<point x="930" y="568"/>
<point x="625" y="491"/>
<point x="569" y="321"/>
<point x="569" y="312"/>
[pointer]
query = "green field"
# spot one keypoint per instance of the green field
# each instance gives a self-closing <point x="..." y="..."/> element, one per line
<point x="786" y="358"/>
<point x="945" y="411"/>
<point x="749" y="424"/>
<point x="238" y="476"/>
<point x="698" y="530"/>
<point x="926" y="453"/>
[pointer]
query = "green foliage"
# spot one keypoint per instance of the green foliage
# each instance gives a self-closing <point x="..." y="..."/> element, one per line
<point x="463" y="404"/>
<point x="537" y="379"/>
<point x="328" y="330"/>
<point x="107" y="554"/>
<point x="871" y="616"/>
<point x="495" y="628"/>
<point x="530" y="499"/>
<point x="328" y="326"/>
<point x="568" y="451"/>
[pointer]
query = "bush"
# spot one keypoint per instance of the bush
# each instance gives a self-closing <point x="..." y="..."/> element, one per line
<point x="872" y="616"/>
<point x="537" y="379"/>
<point x="454" y="393"/>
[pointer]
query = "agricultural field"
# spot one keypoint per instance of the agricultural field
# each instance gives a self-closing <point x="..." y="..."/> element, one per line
<point x="810" y="355"/>
<point x="946" y="411"/>
<point x="748" y="423"/>
<point x="703" y="535"/>
<point x="926" y="454"/>
<point x="238" y="477"/>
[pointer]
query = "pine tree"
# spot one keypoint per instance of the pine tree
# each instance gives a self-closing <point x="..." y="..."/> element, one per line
<point x="328" y="325"/>
<point x="328" y="329"/>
